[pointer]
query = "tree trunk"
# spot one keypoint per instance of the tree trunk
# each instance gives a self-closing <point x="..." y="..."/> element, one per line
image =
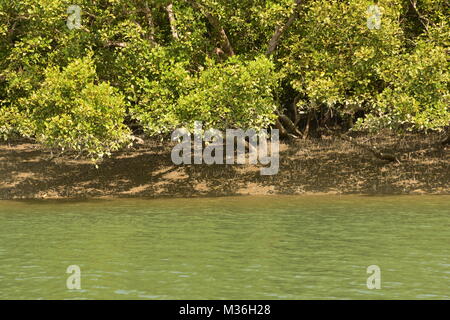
<point x="308" y="124"/>
<point x="172" y="21"/>
<point x="151" y="24"/>
<point x="294" y="110"/>
<point x="273" y="44"/>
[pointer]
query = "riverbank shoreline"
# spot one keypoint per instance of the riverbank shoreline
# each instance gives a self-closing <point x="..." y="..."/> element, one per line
<point x="307" y="167"/>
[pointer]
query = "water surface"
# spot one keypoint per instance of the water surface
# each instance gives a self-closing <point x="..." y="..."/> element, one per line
<point x="312" y="247"/>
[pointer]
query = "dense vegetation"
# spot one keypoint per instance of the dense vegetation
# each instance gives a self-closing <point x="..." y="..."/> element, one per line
<point x="147" y="67"/>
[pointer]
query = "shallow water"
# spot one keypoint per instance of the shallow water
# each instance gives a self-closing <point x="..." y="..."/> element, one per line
<point x="312" y="247"/>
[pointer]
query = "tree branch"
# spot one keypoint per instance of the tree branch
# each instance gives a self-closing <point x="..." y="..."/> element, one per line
<point x="115" y="44"/>
<point x="380" y="155"/>
<point x="215" y="22"/>
<point x="421" y="17"/>
<point x="280" y="30"/>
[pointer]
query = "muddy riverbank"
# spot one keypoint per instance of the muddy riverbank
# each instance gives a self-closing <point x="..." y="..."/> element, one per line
<point x="315" y="166"/>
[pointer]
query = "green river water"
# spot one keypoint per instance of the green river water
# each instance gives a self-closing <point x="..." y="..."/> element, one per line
<point x="283" y="247"/>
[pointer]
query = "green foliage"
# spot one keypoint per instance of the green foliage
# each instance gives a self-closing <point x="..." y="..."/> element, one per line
<point x="332" y="58"/>
<point x="417" y="95"/>
<point x="14" y="123"/>
<point x="237" y="94"/>
<point x="71" y="112"/>
<point x="234" y="94"/>
<point x="83" y="89"/>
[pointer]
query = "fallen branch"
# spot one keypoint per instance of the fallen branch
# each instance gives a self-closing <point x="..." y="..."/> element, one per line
<point x="289" y="125"/>
<point x="378" y="154"/>
<point x="280" y="127"/>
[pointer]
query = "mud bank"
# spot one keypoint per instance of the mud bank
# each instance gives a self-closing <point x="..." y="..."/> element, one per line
<point x="316" y="166"/>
